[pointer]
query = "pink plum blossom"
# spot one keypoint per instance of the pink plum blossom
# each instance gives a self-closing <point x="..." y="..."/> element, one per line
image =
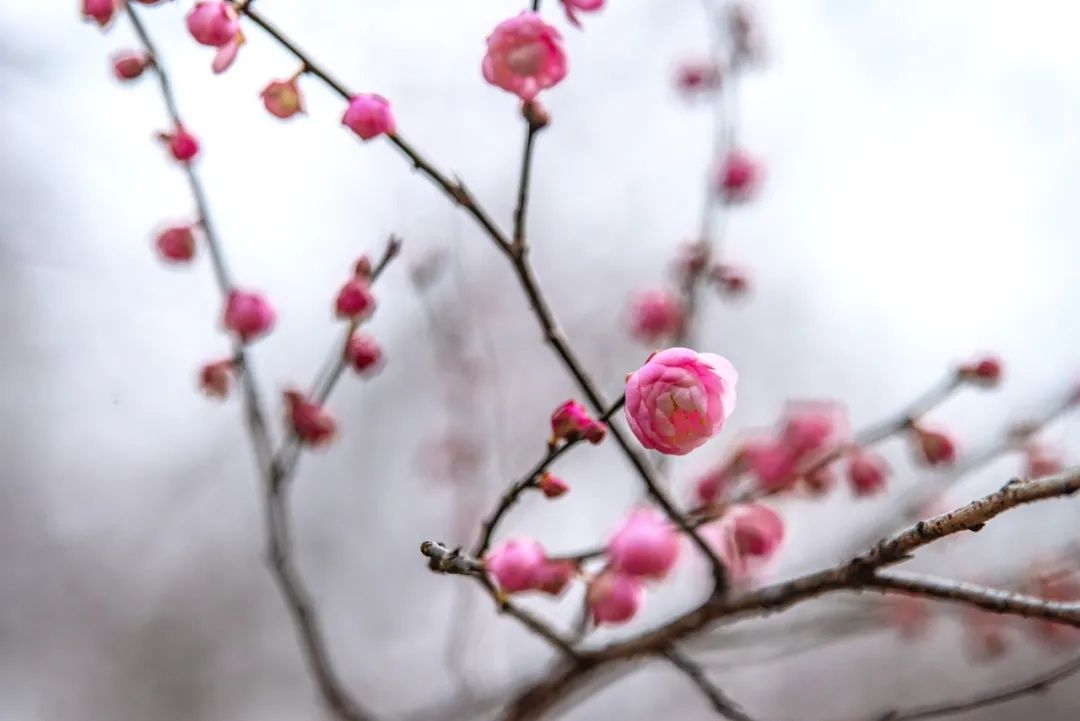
<point x="215" y="378"/>
<point x="282" y="98"/>
<point x="680" y="399"/>
<point x="130" y="64"/>
<point x="309" y="419"/>
<point x="216" y="23"/>
<point x="363" y="353"/>
<point x="552" y="486"/>
<point x="183" y="146"/>
<point x="646" y="545"/>
<point x="571" y="422"/>
<point x="572" y="7"/>
<point x="656" y="314"/>
<point x="614" y="598"/>
<point x="249" y="315"/>
<point x="757" y="530"/>
<point x="867" y="473"/>
<point x="516" y="564"/>
<point x="176" y="244"/>
<point x="524" y="55"/>
<point x="355" y="300"/>
<point x="985" y="371"/>
<point x="936" y="448"/>
<point x="739" y="177"/>
<point x="368" y="116"/>
<point x="100" y="11"/>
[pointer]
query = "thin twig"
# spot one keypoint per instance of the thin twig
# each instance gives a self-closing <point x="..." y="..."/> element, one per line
<point x="278" y="537"/>
<point x="1037" y="684"/>
<point x="719" y="701"/>
<point x="529" y="480"/>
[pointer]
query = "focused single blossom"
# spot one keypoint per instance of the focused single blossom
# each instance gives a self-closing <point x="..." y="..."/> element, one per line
<point x="867" y="473"/>
<point x="282" y="98"/>
<point x="693" y="77"/>
<point x="646" y="545"/>
<point x="130" y="64"/>
<point x="739" y="177"/>
<point x="656" y="314"/>
<point x="249" y="315"/>
<point x="524" y="56"/>
<point x="309" y="420"/>
<point x="363" y="353"/>
<point x="355" y="300"/>
<point x="100" y="11"/>
<point x="183" y="146"/>
<point x="614" y="598"/>
<point x="935" y="447"/>
<point x="679" y="399"/>
<point x="571" y="422"/>
<point x="573" y="7"/>
<point x="985" y="371"/>
<point x="516" y="564"/>
<point x="368" y="116"/>
<point x="551" y="485"/>
<point x="216" y="23"/>
<point x="176" y="244"/>
<point x="215" y="379"/>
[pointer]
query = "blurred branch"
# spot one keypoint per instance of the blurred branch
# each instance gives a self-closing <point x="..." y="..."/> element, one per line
<point x="861" y="572"/>
<point x="1038" y="684"/>
<point x="719" y="701"/>
<point x="271" y="469"/>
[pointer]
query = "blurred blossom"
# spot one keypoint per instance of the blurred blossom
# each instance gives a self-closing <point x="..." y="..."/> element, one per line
<point x="645" y="545"/>
<point x="739" y="177"/>
<point x="614" y="598"/>
<point x="909" y="615"/>
<point x="696" y="77"/>
<point x="572" y="7"/>
<point x="309" y="420"/>
<point x="656" y="314"/>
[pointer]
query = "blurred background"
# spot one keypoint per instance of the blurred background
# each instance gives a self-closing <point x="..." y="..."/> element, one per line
<point x="919" y="207"/>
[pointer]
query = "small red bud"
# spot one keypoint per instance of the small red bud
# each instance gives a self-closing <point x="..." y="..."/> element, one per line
<point x="176" y="244"/>
<point x="363" y="353"/>
<point x="355" y="300"/>
<point x="130" y="64"/>
<point x="552" y="486"/>
<point x="936" y="447"/>
<point x="985" y="371"/>
<point x="311" y="422"/>
<point x="215" y="379"/>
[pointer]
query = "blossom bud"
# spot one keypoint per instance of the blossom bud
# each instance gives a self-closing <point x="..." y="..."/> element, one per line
<point x="176" y="244"/>
<point x="731" y="280"/>
<point x="698" y="76"/>
<point x="355" y="300"/>
<point x="309" y="420"/>
<point x="516" y="565"/>
<point x="656" y="314"/>
<point x="614" y="598"/>
<point x="645" y="545"/>
<point x="100" y="11"/>
<point x="130" y="64"/>
<point x="183" y="146"/>
<point x="867" y="473"/>
<point x="282" y="98"/>
<point x="249" y="315"/>
<point x="552" y="577"/>
<point x="368" y="116"/>
<point x="552" y="486"/>
<point x="739" y="177"/>
<point x="571" y="422"/>
<point x="936" y="448"/>
<point x="985" y="371"/>
<point x="215" y="379"/>
<point x="363" y="353"/>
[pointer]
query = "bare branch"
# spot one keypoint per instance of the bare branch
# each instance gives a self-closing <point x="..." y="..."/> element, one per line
<point x="719" y="701"/>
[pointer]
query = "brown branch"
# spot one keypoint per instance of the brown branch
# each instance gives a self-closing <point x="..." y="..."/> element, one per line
<point x="454" y="189"/>
<point x="529" y="480"/>
<point x="1037" y="684"/>
<point x="858" y="574"/>
<point x="278" y="537"/>
<point x="719" y="701"/>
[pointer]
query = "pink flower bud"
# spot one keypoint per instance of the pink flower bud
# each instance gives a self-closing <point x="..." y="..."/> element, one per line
<point x="100" y="11"/>
<point x="985" y="371"/>
<point x="758" y="530"/>
<point x="552" y="486"/>
<point x="572" y="7"/>
<point x="936" y="448"/>
<point x="355" y="300"/>
<point x="812" y="426"/>
<point x="309" y="420"/>
<point x="717" y="482"/>
<point x="731" y="280"/>
<point x="282" y="98"/>
<point x="820" y="480"/>
<point x="1041" y="459"/>
<point x="644" y="545"/>
<point x="183" y="146"/>
<point x="517" y="565"/>
<point x="368" y="116"/>
<point x="679" y="399"/>
<point x="176" y="244"/>
<point x="656" y="314"/>
<point x="363" y="353"/>
<point x="525" y="55"/>
<point x="552" y="577"/>
<point x="614" y="598"/>
<point x="739" y="177"/>
<point x="213" y="22"/>
<point x="130" y="64"/>
<point x="215" y="379"/>
<point x="249" y="315"/>
<point x="698" y="76"/>
<point x="772" y="463"/>
<point x="571" y="422"/>
<point x="867" y="473"/>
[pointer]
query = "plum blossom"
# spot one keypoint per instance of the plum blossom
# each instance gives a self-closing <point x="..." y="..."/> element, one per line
<point x="176" y="244"/>
<point x="525" y="55"/>
<point x="572" y="7"/>
<point x="645" y="545"/>
<point x="248" y="314"/>
<point x="656" y="314"/>
<point x="867" y="473"/>
<point x="614" y="598"/>
<point x="216" y="378"/>
<point x="571" y="422"/>
<point x="130" y="64"/>
<point x="282" y="98"/>
<point x="309" y="419"/>
<point x="216" y="23"/>
<point x="369" y="116"/>
<point x="738" y="177"/>
<point x="680" y="399"/>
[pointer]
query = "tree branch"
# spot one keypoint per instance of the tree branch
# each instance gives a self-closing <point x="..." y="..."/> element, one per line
<point x="719" y="701"/>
